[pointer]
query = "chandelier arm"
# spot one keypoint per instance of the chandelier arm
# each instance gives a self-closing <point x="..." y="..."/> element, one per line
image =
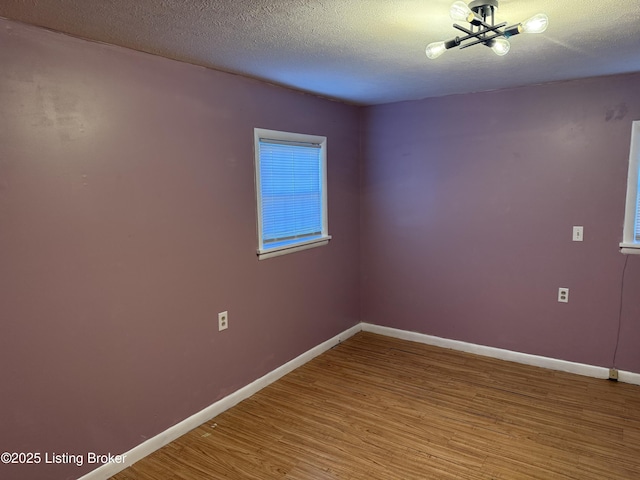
<point x="487" y="26"/>
<point x="462" y="29"/>
<point x="481" y="40"/>
<point x="487" y="29"/>
<point x="512" y="30"/>
<point x="496" y="29"/>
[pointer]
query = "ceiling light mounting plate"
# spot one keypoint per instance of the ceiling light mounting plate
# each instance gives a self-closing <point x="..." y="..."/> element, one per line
<point x="484" y="12"/>
<point x="484" y="8"/>
<point x="483" y="3"/>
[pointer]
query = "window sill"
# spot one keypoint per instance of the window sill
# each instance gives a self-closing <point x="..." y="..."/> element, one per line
<point x="630" y="248"/>
<point x="297" y="247"/>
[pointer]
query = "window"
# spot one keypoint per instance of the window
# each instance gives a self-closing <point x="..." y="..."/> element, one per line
<point x="631" y="235"/>
<point x="291" y="191"/>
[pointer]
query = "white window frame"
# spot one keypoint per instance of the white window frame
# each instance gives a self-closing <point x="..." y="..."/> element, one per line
<point x="323" y="239"/>
<point x="629" y="243"/>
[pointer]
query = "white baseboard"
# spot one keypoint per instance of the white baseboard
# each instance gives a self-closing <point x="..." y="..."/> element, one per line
<point x="524" y="358"/>
<point x="169" y="435"/>
<point x="629" y="377"/>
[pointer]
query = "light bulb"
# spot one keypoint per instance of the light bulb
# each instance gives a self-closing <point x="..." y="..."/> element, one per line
<point x="435" y="49"/>
<point x="461" y="12"/>
<point x="500" y="46"/>
<point x="536" y="24"/>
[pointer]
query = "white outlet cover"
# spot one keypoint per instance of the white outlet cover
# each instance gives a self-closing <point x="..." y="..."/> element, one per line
<point x="563" y="295"/>
<point x="223" y="321"/>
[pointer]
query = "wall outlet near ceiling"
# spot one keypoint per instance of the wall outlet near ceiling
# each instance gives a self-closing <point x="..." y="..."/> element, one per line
<point x="578" y="234"/>
<point x="613" y="374"/>
<point x="223" y="321"/>
<point x="563" y="295"/>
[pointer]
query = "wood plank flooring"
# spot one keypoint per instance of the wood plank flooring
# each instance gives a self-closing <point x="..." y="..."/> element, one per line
<point x="381" y="408"/>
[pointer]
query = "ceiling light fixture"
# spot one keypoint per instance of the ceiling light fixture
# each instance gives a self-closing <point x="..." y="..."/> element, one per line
<point x="480" y="14"/>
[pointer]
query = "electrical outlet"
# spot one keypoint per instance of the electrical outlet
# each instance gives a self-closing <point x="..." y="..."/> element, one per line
<point x="613" y="374"/>
<point x="223" y="321"/>
<point x="563" y="295"/>
<point x="578" y="234"/>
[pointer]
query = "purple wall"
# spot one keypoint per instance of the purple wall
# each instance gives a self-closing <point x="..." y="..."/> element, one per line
<point x="127" y="221"/>
<point x="468" y="204"/>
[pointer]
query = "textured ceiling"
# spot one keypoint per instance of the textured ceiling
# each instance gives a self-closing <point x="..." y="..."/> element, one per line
<point x="359" y="51"/>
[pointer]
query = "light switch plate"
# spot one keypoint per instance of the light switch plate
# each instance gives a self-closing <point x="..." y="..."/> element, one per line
<point x="578" y="234"/>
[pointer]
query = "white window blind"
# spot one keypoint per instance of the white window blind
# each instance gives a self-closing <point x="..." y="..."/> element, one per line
<point x="631" y="234"/>
<point x="637" y="220"/>
<point x="291" y="190"/>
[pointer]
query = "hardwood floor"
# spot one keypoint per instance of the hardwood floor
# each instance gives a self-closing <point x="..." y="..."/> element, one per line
<point x="380" y="408"/>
